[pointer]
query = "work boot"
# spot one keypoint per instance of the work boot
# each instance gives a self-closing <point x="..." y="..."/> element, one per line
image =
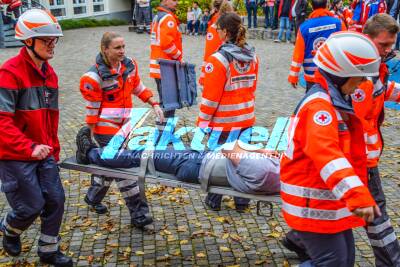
<point x="11" y="244"/>
<point x="84" y="144"/>
<point x="99" y="208"/>
<point x="142" y="221"/>
<point x="290" y="245"/>
<point x="58" y="259"/>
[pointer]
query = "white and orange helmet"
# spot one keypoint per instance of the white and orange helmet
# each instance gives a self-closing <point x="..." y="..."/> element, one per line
<point x="348" y="54"/>
<point x="37" y="23"/>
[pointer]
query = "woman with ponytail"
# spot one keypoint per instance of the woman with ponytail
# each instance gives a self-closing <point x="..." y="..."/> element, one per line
<point x="229" y="85"/>
<point x="108" y="87"/>
<point x="213" y="42"/>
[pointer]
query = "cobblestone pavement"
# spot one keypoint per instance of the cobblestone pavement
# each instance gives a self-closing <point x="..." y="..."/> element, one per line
<point x="186" y="233"/>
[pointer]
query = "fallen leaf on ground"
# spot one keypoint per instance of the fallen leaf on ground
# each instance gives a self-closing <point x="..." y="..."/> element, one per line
<point x="90" y="259"/>
<point x="224" y="249"/>
<point x="224" y="220"/>
<point x="183" y="242"/>
<point x="139" y="253"/>
<point x="225" y="236"/>
<point x="200" y="255"/>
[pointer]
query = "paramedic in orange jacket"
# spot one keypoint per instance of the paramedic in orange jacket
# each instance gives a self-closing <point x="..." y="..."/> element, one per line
<point x="323" y="172"/>
<point x="229" y="85"/>
<point x="166" y="42"/>
<point x="213" y="42"/>
<point x="342" y="13"/>
<point x="368" y="102"/>
<point x="108" y="87"/>
<point x="312" y="33"/>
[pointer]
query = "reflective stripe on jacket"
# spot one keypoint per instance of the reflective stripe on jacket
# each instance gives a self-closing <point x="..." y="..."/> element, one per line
<point x="323" y="171"/>
<point x="166" y="40"/>
<point x="228" y="95"/>
<point x="368" y="103"/>
<point x="109" y="94"/>
<point x="312" y="34"/>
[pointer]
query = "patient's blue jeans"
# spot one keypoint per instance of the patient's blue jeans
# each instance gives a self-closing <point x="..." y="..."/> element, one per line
<point x="185" y="164"/>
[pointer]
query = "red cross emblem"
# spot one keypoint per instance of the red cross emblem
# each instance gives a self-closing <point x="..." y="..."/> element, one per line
<point x="358" y="95"/>
<point x="209" y="67"/>
<point x="322" y="118"/>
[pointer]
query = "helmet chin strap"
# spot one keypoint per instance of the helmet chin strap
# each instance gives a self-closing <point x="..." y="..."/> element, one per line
<point x="32" y="48"/>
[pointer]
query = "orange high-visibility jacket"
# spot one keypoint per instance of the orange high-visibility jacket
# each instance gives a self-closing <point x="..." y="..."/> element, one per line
<point x="323" y="171"/>
<point x="109" y="94"/>
<point x="166" y="40"/>
<point x="213" y="42"/>
<point x="368" y="103"/>
<point x="229" y="87"/>
<point x="311" y="35"/>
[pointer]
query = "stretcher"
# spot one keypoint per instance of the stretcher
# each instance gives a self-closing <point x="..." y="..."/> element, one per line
<point x="219" y="184"/>
<point x="146" y="174"/>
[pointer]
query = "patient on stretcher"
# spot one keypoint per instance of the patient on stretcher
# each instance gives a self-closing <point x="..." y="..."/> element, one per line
<point x="252" y="172"/>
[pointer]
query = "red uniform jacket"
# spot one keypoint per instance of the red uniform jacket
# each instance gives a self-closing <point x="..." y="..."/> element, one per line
<point x="28" y="108"/>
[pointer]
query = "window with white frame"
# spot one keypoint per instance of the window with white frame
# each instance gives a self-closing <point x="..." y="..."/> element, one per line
<point x="57" y="8"/>
<point x="79" y="7"/>
<point x="98" y="5"/>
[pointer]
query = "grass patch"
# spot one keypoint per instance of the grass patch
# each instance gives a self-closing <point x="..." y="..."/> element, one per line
<point x="68" y="24"/>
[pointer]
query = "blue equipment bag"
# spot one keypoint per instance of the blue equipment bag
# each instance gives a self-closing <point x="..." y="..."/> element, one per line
<point x="178" y="84"/>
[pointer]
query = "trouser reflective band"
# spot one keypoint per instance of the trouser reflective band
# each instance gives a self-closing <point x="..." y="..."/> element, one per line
<point x="97" y="180"/>
<point x="48" y="243"/>
<point x="132" y="192"/>
<point x="381" y="234"/>
<point x="48" y="248"/>
<point x="9" y="230"/>
<point x="379" y="228"/>
<point x="124" y="183"/>
<point x="383" y="242"/>
<point x="49" y="239"/>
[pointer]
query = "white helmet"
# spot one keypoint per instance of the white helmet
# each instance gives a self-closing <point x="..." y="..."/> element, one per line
<point x="348" y="54"/>
<point x="37" y="23"/>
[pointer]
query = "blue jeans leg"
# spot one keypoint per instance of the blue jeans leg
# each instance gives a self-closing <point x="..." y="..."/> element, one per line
<point x="271" y="16"/>
<point x="288" y="30"/>
<point x="248" y="9"/>
<point x="266" y="14"/>
<point x="254" y="8"/>
<point x="190" y="26"/>
<point x="282" y="26"/>
<point x="196" y="26"/>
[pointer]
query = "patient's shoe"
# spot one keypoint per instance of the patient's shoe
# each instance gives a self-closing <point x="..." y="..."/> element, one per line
<point x="212" y="203"/>
<point x="99" y="208"/>
<point x="241" y="208"/>
<point x="84" y="144"/>
<point x="142" y="221"/>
